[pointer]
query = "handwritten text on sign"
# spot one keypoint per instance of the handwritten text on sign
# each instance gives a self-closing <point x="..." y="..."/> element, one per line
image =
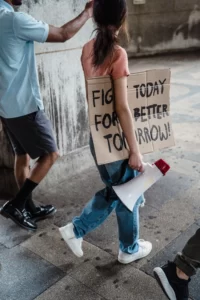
<point x="148" y="96"/>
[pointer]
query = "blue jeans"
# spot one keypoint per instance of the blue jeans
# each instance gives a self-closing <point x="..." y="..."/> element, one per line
<point x="106" y="200"/>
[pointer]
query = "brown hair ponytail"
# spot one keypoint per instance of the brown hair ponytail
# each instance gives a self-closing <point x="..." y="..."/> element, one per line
<point x="104" y="44"/>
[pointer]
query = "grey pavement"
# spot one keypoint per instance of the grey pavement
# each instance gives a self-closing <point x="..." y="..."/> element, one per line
<point x="40" y="266"/>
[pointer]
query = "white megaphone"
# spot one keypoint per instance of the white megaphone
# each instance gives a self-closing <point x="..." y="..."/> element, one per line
<point x="130" y="191"/>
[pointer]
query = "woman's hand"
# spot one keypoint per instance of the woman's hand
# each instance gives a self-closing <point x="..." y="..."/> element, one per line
<point x="135" y="161"/>
<point x="89" y="8"/>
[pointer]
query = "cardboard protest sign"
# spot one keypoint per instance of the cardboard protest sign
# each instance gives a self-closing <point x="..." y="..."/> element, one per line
<point x="149" y="102"/>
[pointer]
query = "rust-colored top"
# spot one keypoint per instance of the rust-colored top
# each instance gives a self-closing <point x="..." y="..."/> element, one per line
<point x="116" y="67"/>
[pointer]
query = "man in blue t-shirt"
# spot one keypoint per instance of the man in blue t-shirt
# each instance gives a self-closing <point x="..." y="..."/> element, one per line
<point x="21" y="107"/>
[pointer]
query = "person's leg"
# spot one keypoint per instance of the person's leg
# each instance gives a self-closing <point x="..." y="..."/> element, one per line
<point x="35" y="176"/>
<point x="94" y="213"/>
<point x="128" y="224"/>
<point x="188" y="261"/>
<point x="42" y="145"/>
<point x="39" y="170"/>
<point x="42" y="166"/>
<point x="175" y="276"/>
<point x="22" y="170"/>
<point x="20" y="217"/>
<point x="99" y="208"/>
<point x="92" y="216"/>
<point x="16" y="208"/>
<point x="131" y="247"/>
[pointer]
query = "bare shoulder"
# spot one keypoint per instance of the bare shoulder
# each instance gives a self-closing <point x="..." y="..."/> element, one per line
<point x="88" y="45"/>
<point x="120" y="53"/>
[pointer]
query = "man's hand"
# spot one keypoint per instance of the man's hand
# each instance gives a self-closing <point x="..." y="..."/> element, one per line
<point x="89" y="8"/>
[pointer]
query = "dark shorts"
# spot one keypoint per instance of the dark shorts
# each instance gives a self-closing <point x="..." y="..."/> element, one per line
<point x="31" y="134"/>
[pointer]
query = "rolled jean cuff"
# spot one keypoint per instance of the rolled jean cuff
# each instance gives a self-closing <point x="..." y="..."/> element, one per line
<point x="184" y="265"/>
<point x="78" y="233"/>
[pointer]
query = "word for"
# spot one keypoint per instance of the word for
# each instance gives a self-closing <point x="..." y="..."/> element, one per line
<point x="107" y="120"/>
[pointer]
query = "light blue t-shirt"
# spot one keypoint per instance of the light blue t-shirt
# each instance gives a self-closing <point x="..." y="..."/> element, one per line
<point x="19" y="85"/>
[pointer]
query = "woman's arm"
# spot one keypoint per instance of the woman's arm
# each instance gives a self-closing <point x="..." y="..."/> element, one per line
<point x="126" y="122"/>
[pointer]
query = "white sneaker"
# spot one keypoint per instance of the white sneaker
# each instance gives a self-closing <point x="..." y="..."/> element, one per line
<point x="67" y="233"/>
<point x="144" y="249"/>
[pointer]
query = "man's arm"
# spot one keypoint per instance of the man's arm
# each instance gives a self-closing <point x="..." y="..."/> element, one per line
<point x="68" y="30"/>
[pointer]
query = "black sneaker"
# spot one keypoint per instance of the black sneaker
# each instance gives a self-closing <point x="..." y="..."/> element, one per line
<point x="43" y="212"/>
<point x="20" y="217"/>
<point x="174" y="287"/>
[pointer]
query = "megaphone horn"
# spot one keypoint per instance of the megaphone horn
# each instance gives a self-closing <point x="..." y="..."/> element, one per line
<point x="130" y="191"/>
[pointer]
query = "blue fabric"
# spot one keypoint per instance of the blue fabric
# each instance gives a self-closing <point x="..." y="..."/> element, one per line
<point x="105" y="201"/>
<point x="19" y="86"/>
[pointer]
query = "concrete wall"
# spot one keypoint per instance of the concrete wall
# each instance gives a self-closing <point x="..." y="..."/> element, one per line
<point x="163" y="26"/>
